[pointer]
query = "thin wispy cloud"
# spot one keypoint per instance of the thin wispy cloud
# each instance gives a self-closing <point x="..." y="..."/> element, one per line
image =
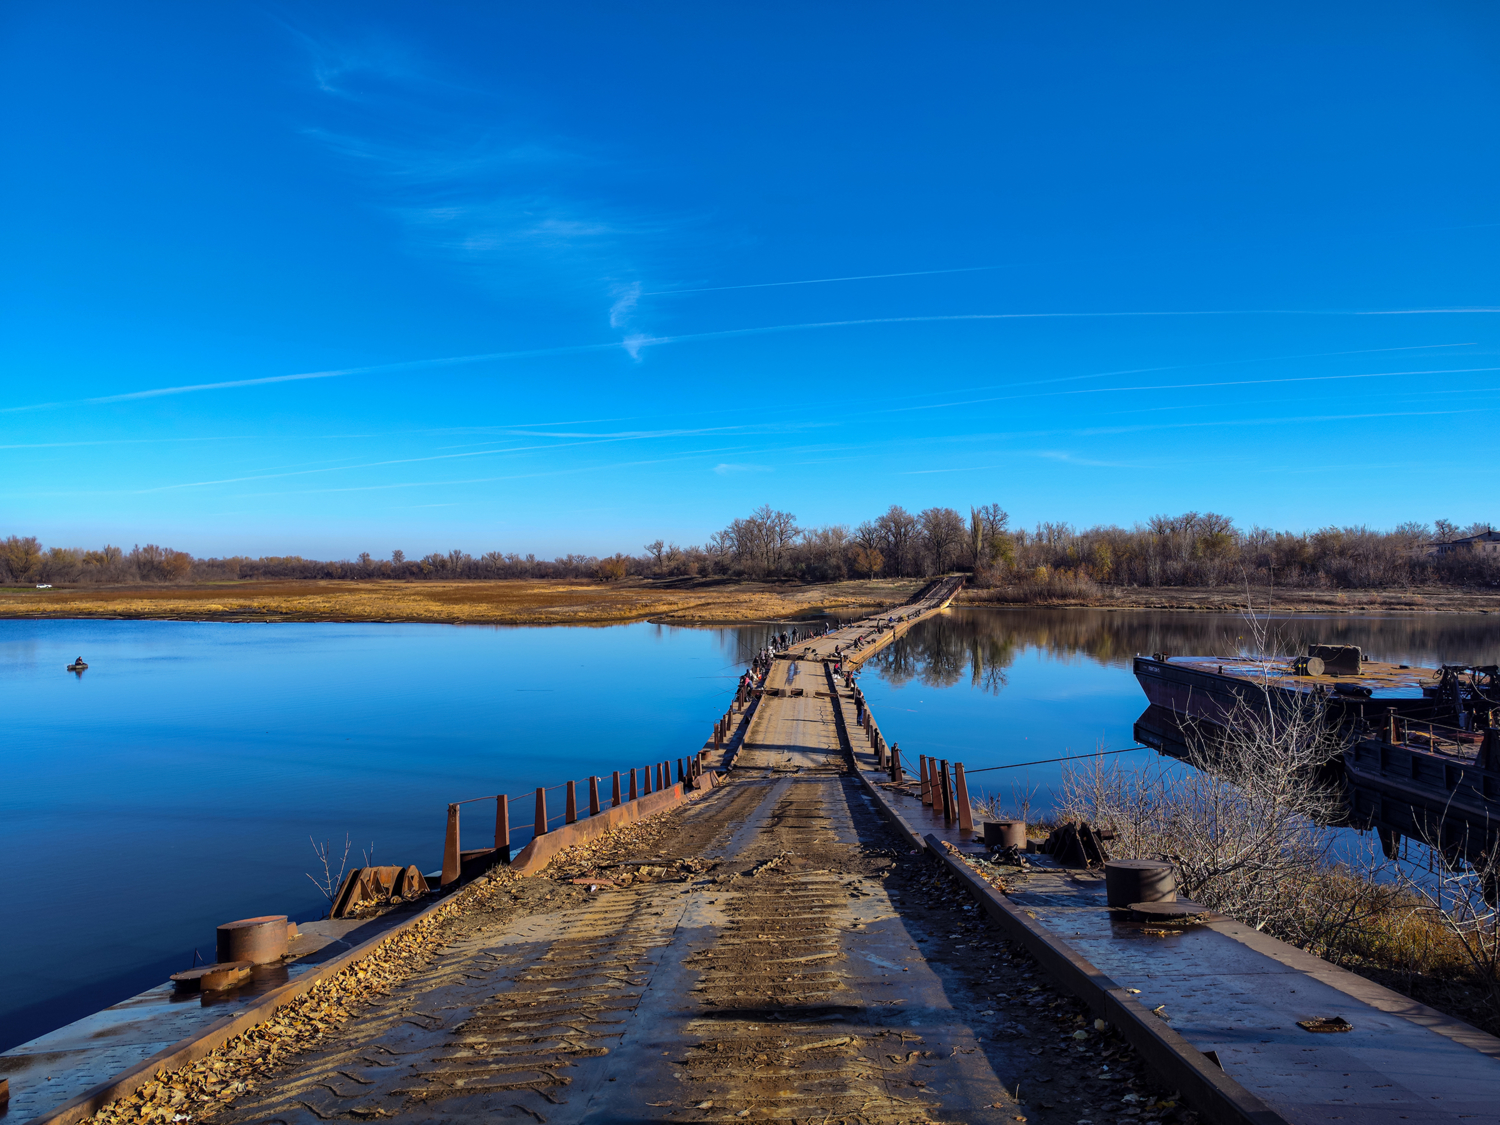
<point x="726" y="468"/>
<point x="626" y="299"/>
<point x="470" y="178"/>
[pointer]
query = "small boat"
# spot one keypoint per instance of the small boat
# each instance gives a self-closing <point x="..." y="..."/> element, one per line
<point x="77" y="666"/>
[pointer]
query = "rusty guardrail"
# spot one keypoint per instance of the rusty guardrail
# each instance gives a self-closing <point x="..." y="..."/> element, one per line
<point x="625" y="785"/>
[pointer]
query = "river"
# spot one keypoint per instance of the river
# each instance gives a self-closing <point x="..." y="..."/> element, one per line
<point x="176" y="783"/>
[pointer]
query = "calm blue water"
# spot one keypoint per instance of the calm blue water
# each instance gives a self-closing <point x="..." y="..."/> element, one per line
<point x="176" y="784"/>
<point x="992" y="687"/>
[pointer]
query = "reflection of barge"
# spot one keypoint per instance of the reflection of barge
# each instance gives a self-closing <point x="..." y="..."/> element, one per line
<point x="1420" y="748"/>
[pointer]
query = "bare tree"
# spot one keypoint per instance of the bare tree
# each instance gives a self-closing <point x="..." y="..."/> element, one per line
<point x="1461" y="897"/>
<point x="654" y="549"/>
<point x="779" y="531"/>
<point x="328" y="883"/>
<point x="1246" y="826"/>
<point x="942" y="534"/>
<point x="898" y="533"/>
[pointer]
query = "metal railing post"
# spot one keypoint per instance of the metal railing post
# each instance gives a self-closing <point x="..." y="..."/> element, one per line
<point x="924" y="764"/>
<point x="593" y="796"/>
<point x="570" y="808"/>
<point x="540" y="828"/>
<point x="502" y="827"/>
<point x="451" y="855"/>
<point x="947" y="790"/>
<point x="961" y="795"/>
<point x="614" y="801"/>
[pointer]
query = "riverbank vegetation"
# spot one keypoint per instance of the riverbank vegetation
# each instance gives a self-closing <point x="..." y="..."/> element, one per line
<point x="517" y="602"/>
<point x="1250" y="832"/>
<point x="1195" y="560"/>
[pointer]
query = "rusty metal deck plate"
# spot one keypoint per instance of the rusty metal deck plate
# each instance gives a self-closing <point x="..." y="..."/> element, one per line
<point x="1237" y="993"/>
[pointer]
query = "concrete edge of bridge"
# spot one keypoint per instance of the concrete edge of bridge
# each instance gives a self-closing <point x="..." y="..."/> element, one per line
<point x="1202" y="1084"/>
<point x="195" y="1047"/>
<point x="187" y="1051"/>
<point x="536" y="855"/>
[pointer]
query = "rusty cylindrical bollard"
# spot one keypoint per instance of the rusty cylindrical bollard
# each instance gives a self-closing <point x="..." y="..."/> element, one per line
<point x="257" y="940"/>
<point x="1005" y="834"/>
<point x="540" y="828"/>
<point x="1139" y="880"/>
<point x="450" y="848"/>
<point x="614" y="800"/>
<point x="570" y="808"/>
<point x="961" y="797"/>
<point x="633" y="793"/>
<point x="502" y="827"/>
<point x="593" y="796"/>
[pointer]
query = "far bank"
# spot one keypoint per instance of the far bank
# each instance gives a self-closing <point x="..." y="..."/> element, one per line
<point x="678" y="601"/>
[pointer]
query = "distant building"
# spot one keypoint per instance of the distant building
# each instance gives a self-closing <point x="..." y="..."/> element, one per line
<point x="1485" y="543"/>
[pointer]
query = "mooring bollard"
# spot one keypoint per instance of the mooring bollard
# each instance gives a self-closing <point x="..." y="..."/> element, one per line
<point x="450" y="848"/>
<point x="961" y="796"/>
<point x="502" y="827"/>
<point x="614" y="798"/>
<point x="593" y="796"/>
<point x="633" y="793"/>
<point x="570" y="808"/>
<point x="540" y="828"/>
<point x="261" y="941"/>
<point x="925" y="766"/>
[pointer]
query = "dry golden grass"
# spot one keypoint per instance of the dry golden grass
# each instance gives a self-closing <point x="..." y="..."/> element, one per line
<point x="1231" y="599"/>
<point x="510" y="602"/>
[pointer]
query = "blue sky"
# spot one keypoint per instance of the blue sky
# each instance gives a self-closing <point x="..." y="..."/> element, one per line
<point x="331" y="278"/>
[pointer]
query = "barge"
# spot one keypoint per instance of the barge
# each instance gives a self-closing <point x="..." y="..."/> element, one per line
<point x="1417" y="750"/>
<point x="1335" y="678"/>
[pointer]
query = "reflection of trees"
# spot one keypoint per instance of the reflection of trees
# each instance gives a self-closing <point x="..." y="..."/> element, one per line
<point x="984" y="642"/>
<point x="940" y="651"/>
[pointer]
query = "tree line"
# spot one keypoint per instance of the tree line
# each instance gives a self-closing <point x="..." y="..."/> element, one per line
<point x="1192" y="549"/>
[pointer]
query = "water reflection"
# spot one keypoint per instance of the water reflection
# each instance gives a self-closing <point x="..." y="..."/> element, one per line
<point x="996" y="687"/>
<point x="978" y="645"/>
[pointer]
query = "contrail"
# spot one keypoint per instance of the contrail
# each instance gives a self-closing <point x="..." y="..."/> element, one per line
<point x="635" y="344"/>
<point x="372" y="369"/>
<point x="818" y="281"/>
